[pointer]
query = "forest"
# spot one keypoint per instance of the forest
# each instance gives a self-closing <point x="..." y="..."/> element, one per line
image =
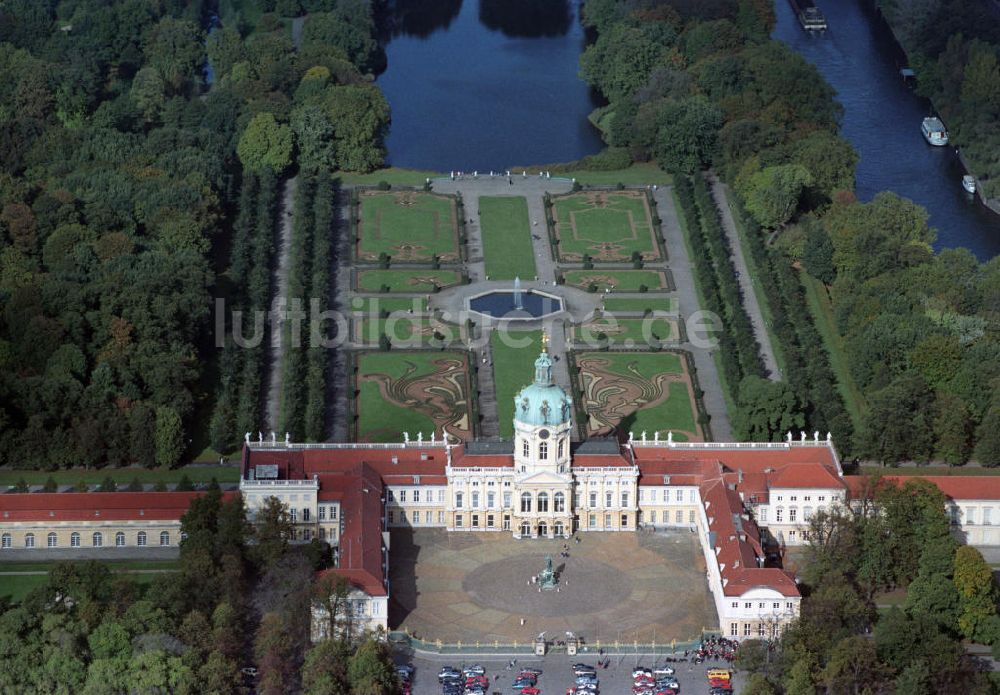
<point x="695" y="86"/>
<point x="240" y="596"/>
<point x="134" y="191"/>
<point x="846" y="640"/>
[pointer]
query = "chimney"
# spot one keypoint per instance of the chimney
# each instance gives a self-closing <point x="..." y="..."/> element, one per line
<point x="736" y="565"/>
<point x="739" y="476"/>
<point x="395" y="460"/>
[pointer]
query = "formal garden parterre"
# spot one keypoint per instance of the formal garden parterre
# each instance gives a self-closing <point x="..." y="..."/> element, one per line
<point x="407" y="225"/>
<point x="604" y="226"/>
<point x="414" y="392"/>
<point x="637" y="391"/>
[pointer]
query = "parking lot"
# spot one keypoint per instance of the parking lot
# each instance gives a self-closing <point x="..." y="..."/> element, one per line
<point x="557" y="674"/>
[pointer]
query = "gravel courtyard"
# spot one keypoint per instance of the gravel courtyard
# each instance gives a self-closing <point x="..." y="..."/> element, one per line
<point x="476" y="587"/>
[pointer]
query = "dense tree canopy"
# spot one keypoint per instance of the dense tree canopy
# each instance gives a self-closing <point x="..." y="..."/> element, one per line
<point x="119" y="187"/>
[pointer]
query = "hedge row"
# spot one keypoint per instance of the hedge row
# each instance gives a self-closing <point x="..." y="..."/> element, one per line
<point x="324" y="219"/>
<point x="807" y="364"/>
<point x="238" y="407"/>
<point x="716" y="277"/>
<point x="292" y="412"/>
<point x="303" y="411"/>
<point x="737" y="318"/>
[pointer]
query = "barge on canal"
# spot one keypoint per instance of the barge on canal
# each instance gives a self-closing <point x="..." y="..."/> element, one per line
<point x="809" y="15"/>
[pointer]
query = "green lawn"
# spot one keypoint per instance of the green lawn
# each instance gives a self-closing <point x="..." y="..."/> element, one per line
<point x="408" y="226"/>
<point x="506" y="232"/>
<point x="376" y="305"/>
<point x="406" y="280"/>
<point x="19" y="586"/>
<point x="822" y="311"/>
<point x="395" y="176"/>
<point x="639" y="381"/>
<point x="627" y="332"/>
<point x="606" y="226"/>
<point x="412" y="394"/>
<point x="622" y="280"/>
<point x="405" y="329"/>
<point x="512" y="370"/>
<point x="123" y="476"/>
<point x="641" y="304"/>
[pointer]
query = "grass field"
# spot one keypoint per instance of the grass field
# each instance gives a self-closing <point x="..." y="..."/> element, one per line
<point x="608" y="226"/>
<point x="822" y="311"/>
<point x="506" y="232"/>
<point x="512" y="370"/>
<point x="406" y="280"/>
<point x="413" y="392"/>
<point x="641" y="304"/>
<point x="122" y="476"/>
<point x="626" y="332"/>
<point x="376" y="305"/>
<point x="637" y="392"/>
<point x="408" y="226"/>
<point x="621" y="280"/>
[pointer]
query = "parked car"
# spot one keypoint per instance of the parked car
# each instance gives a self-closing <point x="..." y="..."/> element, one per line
<point x="583" y="668"/>
<point x="663" y="671"/>
<point x="641" y="671"/>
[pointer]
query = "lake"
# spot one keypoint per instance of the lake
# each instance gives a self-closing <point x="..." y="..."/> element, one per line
<point x="882" y="116"/>
<point x="485" y="84"/>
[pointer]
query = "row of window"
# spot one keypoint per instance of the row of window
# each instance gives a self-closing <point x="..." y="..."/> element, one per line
<point x="678" y="516"/>
<point x="96" y="540"/>
<point x="807" y="498"/>
<point x="776" y="605"/>
<point x="650" y="495"/>
<point x="761" y="630"/>
<point x="543" y="449"/>
<point x="779" y="514"/>
<point x="970" y="514"/>
<point x="540" y="502"/>
<point x="327" y="510"/>
<point x="415" y="495"/>
<point x="414" y="517"/>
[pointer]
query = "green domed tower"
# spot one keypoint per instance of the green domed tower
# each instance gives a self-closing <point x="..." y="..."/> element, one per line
<point x="543" y="417"/>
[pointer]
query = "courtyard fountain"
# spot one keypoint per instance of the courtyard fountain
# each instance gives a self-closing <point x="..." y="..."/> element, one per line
<point x="518" y="302"/>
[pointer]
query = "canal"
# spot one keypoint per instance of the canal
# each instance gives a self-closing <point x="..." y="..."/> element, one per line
<point x="860" y="59"/>
<point x="485" y="84"/>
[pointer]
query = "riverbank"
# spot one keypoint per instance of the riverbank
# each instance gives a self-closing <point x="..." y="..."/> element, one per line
<point x="914" y="58"/>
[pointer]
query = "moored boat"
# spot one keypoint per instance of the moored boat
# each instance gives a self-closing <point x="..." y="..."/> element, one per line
<point x="934" y="131"/>
<point x="969" y="183"/>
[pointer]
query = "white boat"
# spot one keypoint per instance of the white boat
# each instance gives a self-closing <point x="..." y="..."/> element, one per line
<point x="969" y="183"/>
<point x="934" y="131"/>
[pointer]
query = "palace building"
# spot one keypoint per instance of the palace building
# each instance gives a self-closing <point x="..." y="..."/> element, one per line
<point x="738" y="498"/>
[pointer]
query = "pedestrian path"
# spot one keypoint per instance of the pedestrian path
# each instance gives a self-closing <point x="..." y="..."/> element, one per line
<point x="720" y="193"/>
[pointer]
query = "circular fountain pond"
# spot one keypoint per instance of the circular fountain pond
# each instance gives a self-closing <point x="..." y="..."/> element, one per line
<point x="510" y="305"/>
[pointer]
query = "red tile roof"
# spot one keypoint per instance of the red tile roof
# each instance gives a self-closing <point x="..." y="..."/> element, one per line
<point x="360" y="544"/>
<point x="956" y="487"/>
<point x="98" y="506"/>
<point x="805" y="475"/>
